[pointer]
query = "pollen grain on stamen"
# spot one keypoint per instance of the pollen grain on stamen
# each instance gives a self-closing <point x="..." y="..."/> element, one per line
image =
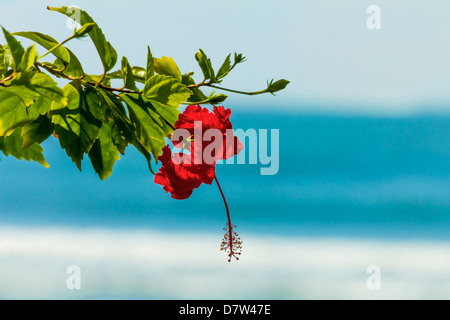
<point x="231" y="243"/>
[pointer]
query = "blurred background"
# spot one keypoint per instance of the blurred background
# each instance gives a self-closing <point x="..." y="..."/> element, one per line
<point x="363" y="174"/>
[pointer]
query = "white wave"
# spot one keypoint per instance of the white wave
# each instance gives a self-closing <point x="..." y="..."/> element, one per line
<point x="150" y="264"/>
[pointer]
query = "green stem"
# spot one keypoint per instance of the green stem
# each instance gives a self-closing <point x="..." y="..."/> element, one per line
<point x="240" y="92"/>
<point x="224" y="201"/>
<point x="198" y="102"/>
<point x="56" y="72"/>
<point x="7" y="79"/>
<point x="230" y="226"/>
<point x="122" y="90"/>
<point x="103" y="77"/>
<point x="60" y="74"/>
<point x="57" y="46"/>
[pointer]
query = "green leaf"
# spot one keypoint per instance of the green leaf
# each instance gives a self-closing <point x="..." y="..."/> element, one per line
<point x="197" y="94"/>
<point x="12" y="145"/>
<point x="167" y="114"/>
<point x="78" y="124"/>
<point x="216" y="99"/>
<point x="84" y="30"/>
<point x="15" y="47"/>
<point x="166" y="66"/>
<point x="28" y="58"/>
<point x="124" y="132"/>
<point x="105" y="50"/>
<point x="47" y="42"/>
<point x="73" y="68"/>
<point x="14" y="113"/>
<point x="128" y="77"/>
<point x="29" y="85"/>
<point x="104" y="153"/>
<point x="96" y="78"/>
<point x="122" y="129"/>
<point x="138" y="74"/>
<point x="6" y="60"/>
<point x="166" y="90"/>
<point x="44" y="85"/>
<point x="20" y="87"/>
<point x="277" y="85"/>
<point x="115" y="75"/>
<point x="225" y="68"/>
<point x="151" y="122"/>
<point x="238" y="58"/>
<point x="121" y="135"/>
<point x="36" y="131"/>
<point x="205" y="64"/>
<point x="65" y="58"/>
<point x="150" y="69"/>
<point x="148" y="157"/>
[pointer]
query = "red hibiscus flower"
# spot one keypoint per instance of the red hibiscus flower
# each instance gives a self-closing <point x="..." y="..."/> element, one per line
<point x="209" y="137"/>
<point x="180" y="173"/>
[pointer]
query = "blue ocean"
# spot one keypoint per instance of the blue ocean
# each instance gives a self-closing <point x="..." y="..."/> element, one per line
<point x="352" y="194"/>
<point x="340" y="175"/>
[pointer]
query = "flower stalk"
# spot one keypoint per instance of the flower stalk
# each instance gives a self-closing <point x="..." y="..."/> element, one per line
<point x="231" y="241"/>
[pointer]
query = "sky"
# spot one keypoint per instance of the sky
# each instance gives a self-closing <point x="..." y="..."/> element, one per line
<point x="334" y="62"/>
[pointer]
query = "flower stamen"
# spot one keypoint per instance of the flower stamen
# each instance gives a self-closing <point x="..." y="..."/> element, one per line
<point x="231" y="243"/>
